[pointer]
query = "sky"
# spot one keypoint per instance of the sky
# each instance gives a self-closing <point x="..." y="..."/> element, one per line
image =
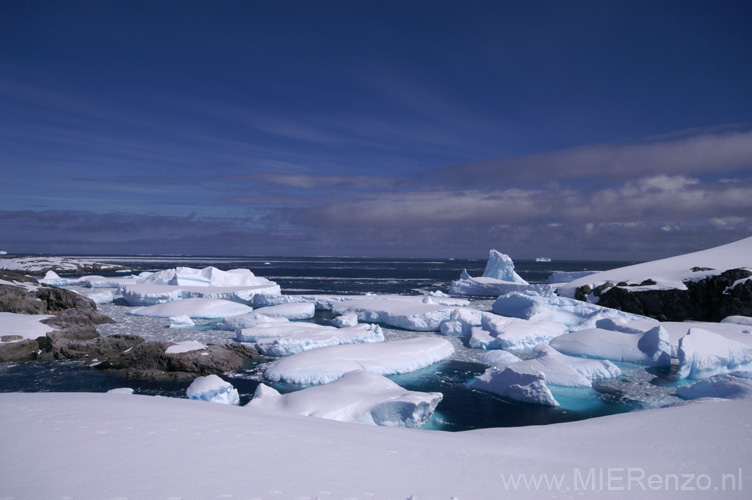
<point x="580" y="130"/>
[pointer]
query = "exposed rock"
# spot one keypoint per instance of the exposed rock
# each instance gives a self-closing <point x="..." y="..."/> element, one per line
<point x="709" y="299"/>
<point x="18" y="351"/>
<point x="59" y="299"/>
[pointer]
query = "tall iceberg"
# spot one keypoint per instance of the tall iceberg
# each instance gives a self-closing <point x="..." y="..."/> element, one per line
<point x="501" y="267"/>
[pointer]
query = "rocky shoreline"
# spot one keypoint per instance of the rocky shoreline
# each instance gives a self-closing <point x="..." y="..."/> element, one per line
<point x="76" y="338"/>
<point x="710" y="299"/>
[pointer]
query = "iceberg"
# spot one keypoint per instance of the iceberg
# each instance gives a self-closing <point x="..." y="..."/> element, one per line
<point x="149" y="294"/>
<point x="576" y="315"/>
<point x="182" y="321"/>
<point x="51" y="278"/>
<point x="407" y="315"/>
<point x="517" y="385"/>
<point x="501" y="267"/>
<point x="194" y="308"/>
<point x="358" y="396"/>
<point x="286" y="339"/>
<point x="736" y="385"/>
<point x="650" y="348"/>
<point x="498" y="278"/>
<point x="213" y="389"/>
<point x="206" y="277"/>
<point x="703" y="354"/>
<point x="327" y="364"/>
<point x="499" y="332"/>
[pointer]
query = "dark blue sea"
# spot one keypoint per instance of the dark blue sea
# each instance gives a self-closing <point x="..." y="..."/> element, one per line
<point x="461" y="409"/>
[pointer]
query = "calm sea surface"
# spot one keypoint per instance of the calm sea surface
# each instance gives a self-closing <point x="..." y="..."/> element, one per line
<point x="462" y="408"/>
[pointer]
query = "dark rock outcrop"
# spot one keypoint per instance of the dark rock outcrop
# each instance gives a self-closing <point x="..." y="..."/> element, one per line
<point x="38" y="299"/>
<point x="709" y="299"/>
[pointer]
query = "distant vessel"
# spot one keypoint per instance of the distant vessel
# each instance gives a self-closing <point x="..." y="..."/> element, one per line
<point x="542" y="259"/>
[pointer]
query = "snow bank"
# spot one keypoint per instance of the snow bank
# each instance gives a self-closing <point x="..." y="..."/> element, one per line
<point x="518" y="385"/>
<point x="357" y="396"/>
<point x="15" y="327"/>
<point x="193" y="308"/>
<point x="408" y="315"/>
<point x="650" y="348"/>
<point x="286" y="339"/>
<point x="703" y="354"/>
<point x="559" y="277"/>
<point x="213" y="389"/>
<point x="575" y="314"/>
<point x="499" y="332"/>
<point x="324" y="365"/>
<point x="737" y="385"/>
<point x="672" y="272"/>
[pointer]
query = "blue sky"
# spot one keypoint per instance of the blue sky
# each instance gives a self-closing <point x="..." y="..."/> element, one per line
<point x="574" y="130"/>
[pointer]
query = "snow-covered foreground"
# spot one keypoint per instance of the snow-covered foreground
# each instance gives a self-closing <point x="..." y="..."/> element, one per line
<point x="108" y="446"/>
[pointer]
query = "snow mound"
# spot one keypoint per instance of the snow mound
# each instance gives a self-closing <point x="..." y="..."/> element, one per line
<point x="650" y="348"/>
<point x="213" y="389"/>
<point x="738" y="320"/>
<point x="408" y="315"/>
<point x="194" y="308"/>
<point x="518" y="385"/>
<point x="357" y="396"/>
<point x="499" y="332"/>
<point x="327" y="364"/>
<point x="672" y="272"/>
<point x="185" y="346"/>
<point x="737" y="385"/>
<point x="576" y="315"/>
<point x="287" y="339"/>
<point x="703" y="354"/>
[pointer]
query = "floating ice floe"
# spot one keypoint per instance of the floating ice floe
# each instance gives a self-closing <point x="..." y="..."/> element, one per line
<point x="703" y="354"/>
<point x="327" y="302"/>
<point x="108" y="282"/>
<point x="101" y="297"/>
<point x="327" y="364"/>
<point x="185" y="346"/>
<point x="148" y="294"/>
<point x="671" y="273"/>
<point x="193" y="308"/>
<point x="650" y="348"/>
<point x="207" y="277"/>
<point x="248" y="320"/>
<point x="559" y="369"/>
<point x="500" y="332"/>
<point x="292" y="312"/>
<point x="214" y="390"/>
<point x="575" y="314"/>
<point x="517" y="385"/>
<point x="287" y="339"/>
<point x="736" y="385"/>
<point x="358" y="396"/>
<point x="415" y="316"/>
<point x="347" y="319"/>
<point x="182" y="321"/>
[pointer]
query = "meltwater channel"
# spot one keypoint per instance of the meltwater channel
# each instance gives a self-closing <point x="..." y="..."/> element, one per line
<point x="461" y="409"/>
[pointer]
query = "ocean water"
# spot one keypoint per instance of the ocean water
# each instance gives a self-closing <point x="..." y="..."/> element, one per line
<point x="462" y="408"/>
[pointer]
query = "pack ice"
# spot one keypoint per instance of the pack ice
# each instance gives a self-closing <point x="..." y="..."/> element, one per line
<point x="358" y="396"/>
<point x="703" y="354"/>
<point x="213" y="389"/>
<point x="327" y="364"/>
<point x="286" y="339"/>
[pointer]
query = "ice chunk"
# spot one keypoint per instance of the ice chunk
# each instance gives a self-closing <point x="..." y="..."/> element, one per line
<point x="703" y="354"/>
<point x="286" y="339"/>
<point x="737" y="385"/>
<point x="182" y="321"/>
<point x="650" y="348"/>
<point x="348" y="319"/>
<point x="573" y="313"/>
<point x="149" y="294"/>
<point x="185" y="346"/>
<point x="100" y="297"/>
<point x="591" y="369"/>
<point x="490" y="287"/>
<point x="249" y="320"/>
<point x="52" y="279"/>
<point x="461" y="322"/>
<point x="358" y="396"/>
<point x="324" y="365"/>
<point x="501" y="267"/>
<point x="498" y="332"/>
<point x="517" y="385"/>
<point x="194" y="308"/>
<point x="398" y="313"/>
<point x="292" y="311"/>
<point x="213" y="389"/>
<point x="121" y="390"/>
<point x="498" y="358"/>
